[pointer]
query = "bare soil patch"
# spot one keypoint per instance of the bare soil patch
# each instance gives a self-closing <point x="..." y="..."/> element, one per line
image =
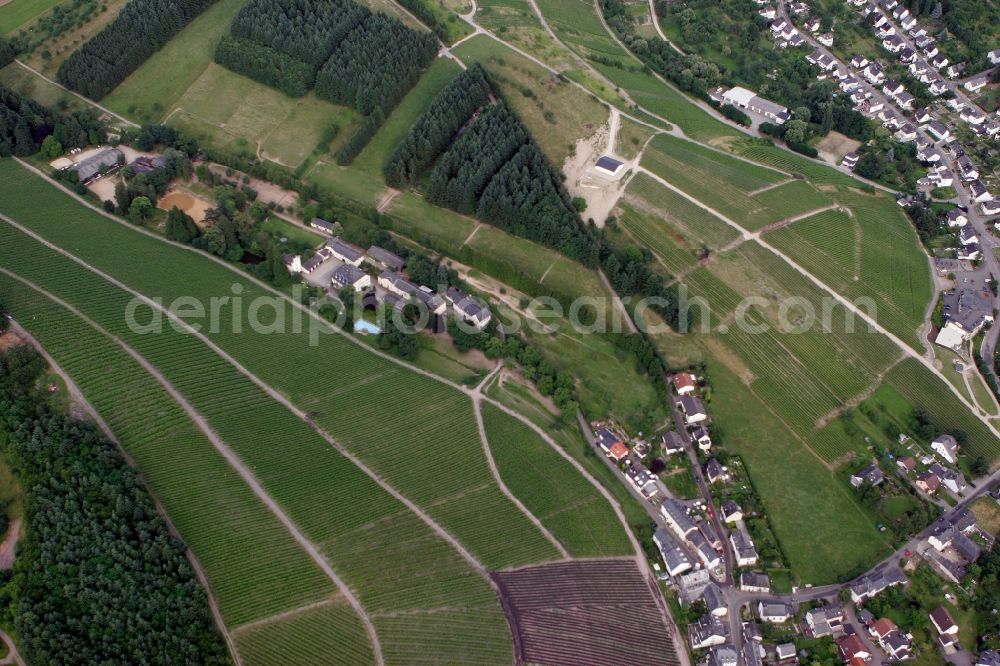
<point x="187" y="202"/>
<point x="835" y="145"/>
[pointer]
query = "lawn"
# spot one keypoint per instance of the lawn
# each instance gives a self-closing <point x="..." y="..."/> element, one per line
<point x="155" y="88"/>
<point x="27" y="84"/>
<point x="16" y="13"/>
<point x="399" y="122"/>
<point x="556" y="112"/>
<point x="297" y="233"/>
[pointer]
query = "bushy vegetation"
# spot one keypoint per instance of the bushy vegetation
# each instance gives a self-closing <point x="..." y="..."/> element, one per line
<point x="262" y="63"/>
<point x="25" y="124"/>
<point x="96" y="554"/>
<point x="434" y="129"/>
<point x="140" y="30"/>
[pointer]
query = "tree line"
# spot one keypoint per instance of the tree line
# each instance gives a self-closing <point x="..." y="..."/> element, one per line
<point x="98" y="578"/>
<point x="141" y="29"/>
<point x="25" y="124"/>
<point x="434" y="130"/>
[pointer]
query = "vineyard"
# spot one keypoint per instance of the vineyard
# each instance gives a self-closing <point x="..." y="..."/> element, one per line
<point x="305" y="638"/>
<point x="654" y="232"/>
<point x="870" y="252"/>
<point x="695" y="223"/>
<point x="254" y="566"/>
<point x="572" y="509"/>
<point x="724" y="183"/>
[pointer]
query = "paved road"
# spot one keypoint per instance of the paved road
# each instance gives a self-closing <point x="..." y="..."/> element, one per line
<point x="13" y="656"/>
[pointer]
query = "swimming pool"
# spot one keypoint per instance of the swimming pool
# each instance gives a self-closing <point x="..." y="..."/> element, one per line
<point x="366" y="327"/>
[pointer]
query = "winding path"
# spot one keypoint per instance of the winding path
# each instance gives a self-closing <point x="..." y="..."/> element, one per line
<point x="89" y="101"/>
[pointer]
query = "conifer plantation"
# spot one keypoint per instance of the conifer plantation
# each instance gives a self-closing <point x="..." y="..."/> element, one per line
<point x="486" y="163"/>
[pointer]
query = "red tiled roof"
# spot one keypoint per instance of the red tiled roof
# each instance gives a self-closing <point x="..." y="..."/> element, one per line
<point x="618" y="451"/>
<point x="850" y="647"/>
<point x="683" y="380"/>
<point x="884" y="626"/>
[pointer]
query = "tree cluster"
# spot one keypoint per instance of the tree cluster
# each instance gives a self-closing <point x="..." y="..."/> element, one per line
<point x="434" y="130"/>
<point x="141" y="29"/>
<point x="25" y="124"/>
<point x="98" y="579"/>
<point x="269" y="66"/>
<point x="151" y="184"/>
<point x="496" y="171"/>
<point x="375" y="65"/>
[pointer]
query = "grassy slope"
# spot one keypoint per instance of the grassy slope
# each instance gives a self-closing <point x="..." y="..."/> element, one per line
<point x="15" y="14"/>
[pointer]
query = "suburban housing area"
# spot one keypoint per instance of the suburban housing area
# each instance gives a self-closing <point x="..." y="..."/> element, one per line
<point x="597" y="333"/>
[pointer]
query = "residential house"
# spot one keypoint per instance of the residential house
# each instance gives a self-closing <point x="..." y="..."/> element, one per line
<point x="989" y="657"/>
<point x="972" y="116"/>
<point x="293" y="262"/>
<point x="898" y="646"/>
<point x="994" y="57"/>
<point x="774" y="612"/>
<point x="715" y="601"/>
<point x="906" y="464"/>
<point x="955" y="70"/>
<point x="707" y="632"/>
<point x="850" y="160"/>
<point x="893" y="44"/>
<point x="946" y="447"/>
<point x="723" y="655"/>
<point x="471" y="310"/>
<point x="851" y="648"/>
<point x="825" y="39"/>
<point x="825" y="621"/>
<point x="672" y="443"/>
<point x="946" y="628"/>
<point x="715" y="472"/>
<point x="731" y="511"/>
<point x="970" y="252"/>
<point x="882" y="629"/>
<point x="976" y="84"/>
<point x="938" y="131"/>
<point x="611" y="444"/>
<point x="674" y="557"/>
<point x="939" y="61"/>
<point x="967" y="235"/>
<point x="990" y="208"/>
<point x="684" y="383"/>
<point x="708" y="556"/>
<point x="812" y="25"/>
<point x="922" y="116"/>
<point x="676" y="516"/>
<point x="641" y="479"/>
<point x="872" y="475"/>
<point x="319" y="224"/>
<point x="785" y="652"/>
<point x="859" y="62"/>
<point x="978" y="191"/>
<point x="937" y="87"/>
<point x="755" y="582"/>
<point x="928" y="482"/>
<point x="953" y="481"/>
<point x="968" y="169"/>
<point x="349" y="275"/>
<point x="743" y="547"/>
<point x="384" y="259"/>
<point x="956" y="217"/>
<point x="694" y="411"/>
<point x="699" y="435"/>
<point x="874" y="74"/>
<point x="871" y="585"/>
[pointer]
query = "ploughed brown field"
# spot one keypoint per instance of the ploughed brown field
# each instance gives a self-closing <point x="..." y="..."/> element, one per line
<point x="588" y="613"/>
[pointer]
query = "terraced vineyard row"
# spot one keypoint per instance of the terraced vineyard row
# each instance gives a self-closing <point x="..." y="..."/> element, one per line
<point x="569" y="507"/>
<point x="771" y="155"/>
<point x="253" y="565"/>
<point x="736" y="173"/>
<point x="308" y="638"/>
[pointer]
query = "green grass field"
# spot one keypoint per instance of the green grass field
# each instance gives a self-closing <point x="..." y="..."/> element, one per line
<point x="691" y="222"/>
<point x="557" y="112"/>
<point x="16" y="13"/>
<point x="577" y="24"/>
<point x="403" y="116"/>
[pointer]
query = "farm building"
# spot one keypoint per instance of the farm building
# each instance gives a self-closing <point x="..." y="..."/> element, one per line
<point x="313" y="262"/>
<point x="145" y="164"/>
<point x="385" y="259"/>
<point x="98" y="164"/>
<point x="470" y="309"/>
<point x="608" y="166"/>
<point x="403" y="287"/>
<point x="345" y="252"/>
<point x="319" y="224"/>
<point x="349" y="275"/>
